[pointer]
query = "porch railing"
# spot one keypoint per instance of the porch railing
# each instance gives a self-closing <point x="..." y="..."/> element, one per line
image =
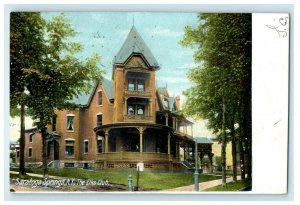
<point x="137" y="118"/>
<point x="144" y="93"/>
<point x="133" y="156"/>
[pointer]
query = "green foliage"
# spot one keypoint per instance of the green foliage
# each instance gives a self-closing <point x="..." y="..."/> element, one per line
<point x="230" y="186"/>
<point x="47" y="65"/>
<point x="222" y="54"/>
<point x="148" y="180"/>
<point x="221" y="83"/>
<point x="218" y="163"/>
<point x="45" y="72"/>
<point x="26" y="51"/>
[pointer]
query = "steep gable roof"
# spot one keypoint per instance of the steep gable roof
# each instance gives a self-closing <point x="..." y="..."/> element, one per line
<point x="84" y="98"/>
<point x="134" y="44"/>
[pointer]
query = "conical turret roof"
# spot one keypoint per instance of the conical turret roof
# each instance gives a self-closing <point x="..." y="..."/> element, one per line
<point x="134" y="44"/>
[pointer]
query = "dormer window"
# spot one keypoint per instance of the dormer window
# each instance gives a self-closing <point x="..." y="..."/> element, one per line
<point x="166" y="102"/>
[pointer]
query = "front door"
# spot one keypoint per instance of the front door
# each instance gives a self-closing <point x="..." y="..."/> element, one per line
<point x="56" y="150"/>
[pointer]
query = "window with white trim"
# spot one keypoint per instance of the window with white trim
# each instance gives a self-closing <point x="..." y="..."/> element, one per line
<point x="31" y="137"/>
<point x="70" y="123"/>
<point x="69" y="148"/>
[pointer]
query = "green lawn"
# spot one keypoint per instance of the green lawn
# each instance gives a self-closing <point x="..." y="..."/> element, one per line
<point x="148" y="180"/>
<point x="230" y="186"/>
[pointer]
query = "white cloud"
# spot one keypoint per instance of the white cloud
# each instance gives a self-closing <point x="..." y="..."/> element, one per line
<point x="166" y="32"/>
<point x="187" y="66"/>
<point x="167" y="79"/>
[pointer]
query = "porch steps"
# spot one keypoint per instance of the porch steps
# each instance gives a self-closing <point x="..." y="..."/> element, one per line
<point x="187" y="165"/>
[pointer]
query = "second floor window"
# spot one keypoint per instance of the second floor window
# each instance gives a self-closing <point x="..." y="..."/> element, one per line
<point x="31" y="138"/>
<point x="70" y="122"/>
<point x="140" y="109"/>
<point x="131" y="110"/>
<point x="99" y="120"/>
<point x="136" y="109"/>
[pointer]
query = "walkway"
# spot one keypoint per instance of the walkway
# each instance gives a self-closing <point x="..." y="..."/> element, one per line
<point x="202" y="186"/>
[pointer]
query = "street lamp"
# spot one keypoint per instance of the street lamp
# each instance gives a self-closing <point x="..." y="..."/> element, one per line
<point x="196" y="174"/>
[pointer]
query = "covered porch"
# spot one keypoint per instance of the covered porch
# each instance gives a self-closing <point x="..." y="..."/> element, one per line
<point x="123" y="145"/>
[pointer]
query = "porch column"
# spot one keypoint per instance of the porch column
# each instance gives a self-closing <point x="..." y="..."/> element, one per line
<point x="150" y="107"/>
<point x="174" y="122"/>
<point x="191" y="130"/>
<point x="177" y="150"/>
<point x="184" y="152"/>
<point x="167" y="118"/>
<point x="210" y="155"/>
<point x="106" y="139"/>
<point x="141" y="131"/>
<point x="184" y="129"/>
<point x="169" y="145"/>
<point x="125" y="106"/>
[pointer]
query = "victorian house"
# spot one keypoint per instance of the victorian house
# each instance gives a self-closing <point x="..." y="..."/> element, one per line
<point x="120" y="123"/>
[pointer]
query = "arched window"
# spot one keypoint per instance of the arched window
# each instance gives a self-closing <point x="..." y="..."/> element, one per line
<point x="140" y="110"/>
<point x="130" y="110"/>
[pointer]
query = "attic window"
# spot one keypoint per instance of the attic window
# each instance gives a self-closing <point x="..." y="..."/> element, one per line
<point x="99" y="97"/>
<point x="166" y="102"/>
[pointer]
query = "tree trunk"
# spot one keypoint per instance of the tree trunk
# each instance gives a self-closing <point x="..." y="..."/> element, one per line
<point x="247" y="126"/>
<point x="242" y="157"/>
<point x="248" y="136"/>
<point x="241" y="142"/>
<point x="44" y="155"/>
<point x="233" y="151"/>
<point x="223" y="145"/>
<point x="22" y="171"/>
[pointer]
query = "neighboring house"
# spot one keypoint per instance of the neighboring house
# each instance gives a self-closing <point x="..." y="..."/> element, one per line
<point x="119" y="123"/>
<point x="14" y="153"/>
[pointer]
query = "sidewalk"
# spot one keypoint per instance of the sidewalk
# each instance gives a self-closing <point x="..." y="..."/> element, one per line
<point x="202" y="186"/>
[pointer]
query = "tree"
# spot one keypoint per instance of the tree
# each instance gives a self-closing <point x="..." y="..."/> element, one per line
<point x="223" y="76"/>
<point x="26" y="48"/>
<point x="59" y="76"/>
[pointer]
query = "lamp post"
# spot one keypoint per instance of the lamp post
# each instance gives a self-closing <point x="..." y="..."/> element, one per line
<point x="196" y="174"/>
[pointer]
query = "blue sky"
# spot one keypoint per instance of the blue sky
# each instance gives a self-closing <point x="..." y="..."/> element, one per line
<point x="105" y="32"/>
